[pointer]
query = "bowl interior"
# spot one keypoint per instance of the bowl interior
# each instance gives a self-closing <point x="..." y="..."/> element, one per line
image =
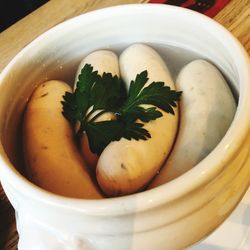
<point x="178" y="35"/>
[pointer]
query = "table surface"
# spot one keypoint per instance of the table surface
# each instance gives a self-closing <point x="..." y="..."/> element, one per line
<point x="235" y="17"/>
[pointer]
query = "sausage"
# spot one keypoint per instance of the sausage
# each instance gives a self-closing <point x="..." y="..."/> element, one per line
<point x="207" y="108"/>
<point x="52" y="159"/>
<point x="126" y="166"/>
<point x="104" y="61"/>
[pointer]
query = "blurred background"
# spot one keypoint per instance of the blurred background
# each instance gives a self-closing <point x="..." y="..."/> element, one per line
<point x="13" y="10"/>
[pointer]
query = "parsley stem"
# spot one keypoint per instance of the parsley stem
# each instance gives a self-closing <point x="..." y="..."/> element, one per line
<point x="95" y="117"/>
<point x="89" y="114"/>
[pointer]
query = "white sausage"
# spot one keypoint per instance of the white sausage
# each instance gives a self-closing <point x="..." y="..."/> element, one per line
<point x="207" y="108"/>
<point x="52" y="158"/>
<point x="102" y="61"/>
<point x="127" y="166"/>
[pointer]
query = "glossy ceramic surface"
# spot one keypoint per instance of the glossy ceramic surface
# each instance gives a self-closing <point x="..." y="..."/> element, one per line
<point x="172" y="216"/>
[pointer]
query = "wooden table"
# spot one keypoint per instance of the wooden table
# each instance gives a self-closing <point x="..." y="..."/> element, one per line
<point x="235" y="17"/>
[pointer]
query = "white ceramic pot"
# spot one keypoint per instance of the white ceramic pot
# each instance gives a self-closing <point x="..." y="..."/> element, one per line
<point x="172" y="216"/>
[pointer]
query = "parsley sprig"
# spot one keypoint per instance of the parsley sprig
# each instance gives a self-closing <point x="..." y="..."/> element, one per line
<point x="96" y="94"/>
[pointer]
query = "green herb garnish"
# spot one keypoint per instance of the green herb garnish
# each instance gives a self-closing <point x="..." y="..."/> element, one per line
<point x="95" y="95"/>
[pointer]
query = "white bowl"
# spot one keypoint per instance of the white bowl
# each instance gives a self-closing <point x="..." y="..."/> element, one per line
<point x="172" y="216"/>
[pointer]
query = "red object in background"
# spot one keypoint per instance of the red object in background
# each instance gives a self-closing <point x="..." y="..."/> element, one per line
<point x="207" y="7"/>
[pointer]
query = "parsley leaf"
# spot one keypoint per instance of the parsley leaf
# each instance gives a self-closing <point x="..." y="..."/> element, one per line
<point x="106" y="93"/>
<point x="75" y="105"/>
<point x="135" y="130"/>
<point x="100" y="134"/>
<point x="155" y="94"/>
<point x="103" y="132"/>
<point x="93" y="93"/>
